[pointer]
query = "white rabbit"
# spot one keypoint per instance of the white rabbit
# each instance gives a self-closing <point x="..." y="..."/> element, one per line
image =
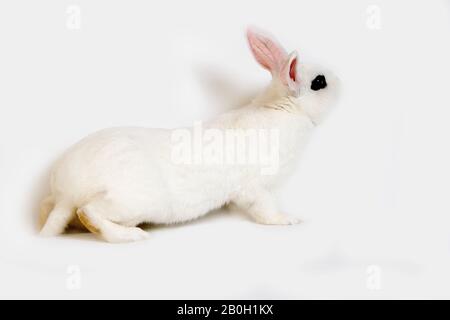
<point x="118" y="178"/>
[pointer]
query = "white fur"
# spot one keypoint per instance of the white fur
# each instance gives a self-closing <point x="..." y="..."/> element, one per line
<point x="121" y="177"/>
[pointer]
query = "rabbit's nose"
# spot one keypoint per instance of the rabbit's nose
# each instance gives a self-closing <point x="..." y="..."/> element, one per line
<point x="318" y="83"/>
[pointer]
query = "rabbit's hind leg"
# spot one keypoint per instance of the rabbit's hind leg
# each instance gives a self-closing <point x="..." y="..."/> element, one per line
<point x="58" y="219"/>
<point x="93" y="217"/>
<point x="46" y="207"/>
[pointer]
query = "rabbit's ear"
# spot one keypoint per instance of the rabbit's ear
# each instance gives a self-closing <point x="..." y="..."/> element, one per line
<point x="266" y="51"/>
<point x="289" y="73"/>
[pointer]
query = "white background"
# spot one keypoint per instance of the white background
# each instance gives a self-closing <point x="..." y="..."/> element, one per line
<point x="373" y="186"/>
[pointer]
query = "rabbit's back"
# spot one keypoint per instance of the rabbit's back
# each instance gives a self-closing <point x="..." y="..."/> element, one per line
<point x="133" y="168"/>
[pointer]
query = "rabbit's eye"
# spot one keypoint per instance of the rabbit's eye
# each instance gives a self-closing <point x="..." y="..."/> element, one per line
<point x="318" y="83"/>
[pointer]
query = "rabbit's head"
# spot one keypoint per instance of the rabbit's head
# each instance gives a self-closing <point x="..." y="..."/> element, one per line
<point x="311" y="89"/>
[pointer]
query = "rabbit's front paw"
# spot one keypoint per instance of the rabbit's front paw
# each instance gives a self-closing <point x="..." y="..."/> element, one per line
<point x="279" y="219"/>
<point x="124" y="235"/>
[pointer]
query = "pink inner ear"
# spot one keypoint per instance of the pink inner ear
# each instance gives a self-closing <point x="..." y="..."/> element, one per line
<point x="267" y="52"/>
<point x="293" y="70"/>
<point x="289" y="74"/>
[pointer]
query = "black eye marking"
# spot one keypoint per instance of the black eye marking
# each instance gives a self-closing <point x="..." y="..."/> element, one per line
<point x="318" y="83"/>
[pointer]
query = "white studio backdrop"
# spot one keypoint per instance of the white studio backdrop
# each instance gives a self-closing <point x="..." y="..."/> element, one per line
<point x="372" y="188"/>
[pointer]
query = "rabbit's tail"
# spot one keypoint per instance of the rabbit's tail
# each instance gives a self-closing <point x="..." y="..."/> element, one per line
<point x="57" y="219"/>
